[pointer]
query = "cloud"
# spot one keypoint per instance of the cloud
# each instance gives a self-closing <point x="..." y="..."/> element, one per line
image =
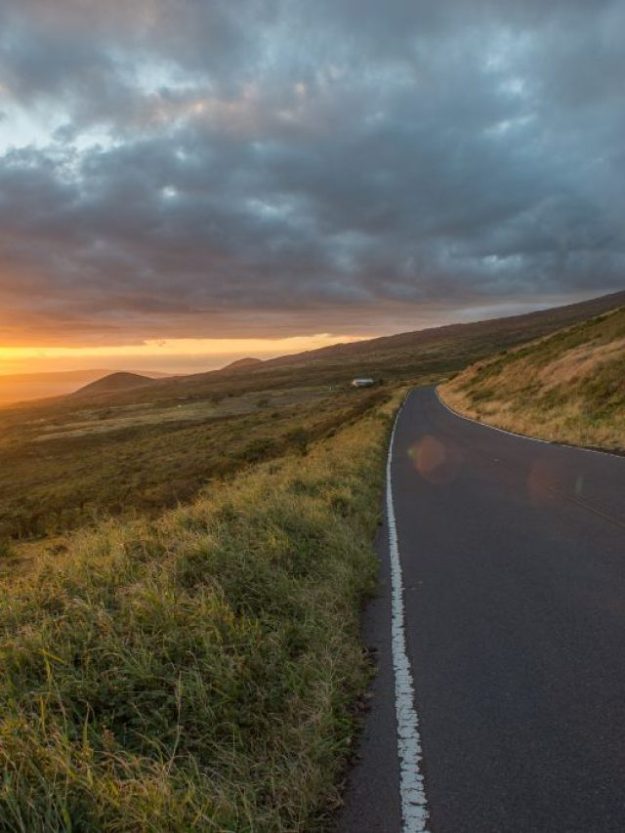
<point x="174" y="168"/>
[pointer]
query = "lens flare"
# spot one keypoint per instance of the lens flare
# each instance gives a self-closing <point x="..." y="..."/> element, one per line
<point x="545" y="483"/>
<point x="435" y="460"/>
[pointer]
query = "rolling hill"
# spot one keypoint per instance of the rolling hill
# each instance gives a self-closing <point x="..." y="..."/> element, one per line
<point x="113" y="383"/>
<point x="477" y="336"/>
<point x="164" y="439"/>
<point x="430" y="353"/>
<point x="243" y="364"/>
<point x="25" y="387"/>
<point x="21" y="387"/>
<point x="568" y="387"/>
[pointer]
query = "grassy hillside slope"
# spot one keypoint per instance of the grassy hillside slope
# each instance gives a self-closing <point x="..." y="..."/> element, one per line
<point x="63" y="469"/>
<point x="399" y="358"/>
<point x="68" y="462"/>
<point x="23" y="386"/>
<point x="436" y="348"/>
<point x="114" y="382"/>
<point x="568" y="387"/>
<point x="196" y="672"/>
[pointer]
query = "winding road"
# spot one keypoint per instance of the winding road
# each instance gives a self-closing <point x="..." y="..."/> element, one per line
<point x="499" y="706"/>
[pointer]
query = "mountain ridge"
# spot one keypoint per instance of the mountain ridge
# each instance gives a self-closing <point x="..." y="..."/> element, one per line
<point x="431" y="352"/>
<point x="434" y="350"/>
<point x="118" y="381"/>
<point x="242" y="364"/>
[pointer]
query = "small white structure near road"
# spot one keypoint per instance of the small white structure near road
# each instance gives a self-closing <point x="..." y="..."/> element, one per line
<point x="362" y="383"/>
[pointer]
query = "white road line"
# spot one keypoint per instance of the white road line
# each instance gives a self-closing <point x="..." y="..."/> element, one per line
<point x="525" y="436"/>
<point x="411" y="786"/>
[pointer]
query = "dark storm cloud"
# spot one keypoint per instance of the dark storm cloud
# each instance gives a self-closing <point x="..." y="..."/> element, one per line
<point x="211" y="168"/>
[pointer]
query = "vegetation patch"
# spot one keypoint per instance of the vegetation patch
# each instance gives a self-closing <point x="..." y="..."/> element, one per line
<point x="197" y="671"/>
<point x="568" y="387"/>
<point x="55" y="476"/>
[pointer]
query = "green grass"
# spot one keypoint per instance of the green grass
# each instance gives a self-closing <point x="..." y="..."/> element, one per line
<point x="63" y="469"/>
<point x="197" y="671"/>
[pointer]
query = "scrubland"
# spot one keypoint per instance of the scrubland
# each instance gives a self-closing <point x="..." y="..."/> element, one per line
<point x="568" y="387"/>
<point x="197" y="671"/>
<point x="68" y="466"/>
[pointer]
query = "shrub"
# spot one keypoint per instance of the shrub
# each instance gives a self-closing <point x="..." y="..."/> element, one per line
<point x="6" y="548"/>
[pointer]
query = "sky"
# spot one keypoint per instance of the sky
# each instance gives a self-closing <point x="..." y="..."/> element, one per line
<point x="183" y="182"/>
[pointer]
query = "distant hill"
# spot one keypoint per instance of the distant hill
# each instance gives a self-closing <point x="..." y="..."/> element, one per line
<point x="413" y="356"/>
<point x="243" y="364"/>
<point x="151" y="374"/>
<point x="568" y="387"/>
<point x="511" y="329"/>
<point x="114" y="383"/>
<point x="435" y="350"/>
<point x="22" y="387"/>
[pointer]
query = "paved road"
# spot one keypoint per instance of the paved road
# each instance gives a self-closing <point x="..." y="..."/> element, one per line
<point x="513" y="560"/>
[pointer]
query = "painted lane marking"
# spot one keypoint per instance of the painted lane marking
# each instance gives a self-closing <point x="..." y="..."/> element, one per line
<point x="411" y="785"/>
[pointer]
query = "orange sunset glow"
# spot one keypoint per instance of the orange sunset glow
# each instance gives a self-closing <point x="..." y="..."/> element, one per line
<point x="168" y="355"/>
<point x="186" y="184"/>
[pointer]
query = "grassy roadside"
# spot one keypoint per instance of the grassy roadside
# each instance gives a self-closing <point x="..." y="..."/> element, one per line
<point x="61" y="471"/>
<point x="568" y="387"/>
<point x="197" y="672"/>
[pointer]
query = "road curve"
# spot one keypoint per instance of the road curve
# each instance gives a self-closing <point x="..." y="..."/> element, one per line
<point x="512" y="555"/>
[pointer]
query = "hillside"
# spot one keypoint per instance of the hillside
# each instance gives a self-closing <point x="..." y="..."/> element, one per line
<point x="476" y="335"/>
<point x="24" y="387"/>
<point x="113" y="383"/>
<point x="405" y="357"/>
<point x="568" y="387"/>
<point x="21" y="387"/>
<point x="243" y="364"/>
<point x="129" y="444"/>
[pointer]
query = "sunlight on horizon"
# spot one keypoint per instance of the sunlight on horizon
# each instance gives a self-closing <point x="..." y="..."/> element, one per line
<point x="173" y="355"/>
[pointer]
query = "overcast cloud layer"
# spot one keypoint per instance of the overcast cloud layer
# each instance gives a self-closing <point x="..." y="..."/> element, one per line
<point x="241" y="167"/>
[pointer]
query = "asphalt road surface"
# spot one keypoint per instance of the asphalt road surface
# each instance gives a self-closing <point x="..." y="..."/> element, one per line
<point x="512" y="555"/>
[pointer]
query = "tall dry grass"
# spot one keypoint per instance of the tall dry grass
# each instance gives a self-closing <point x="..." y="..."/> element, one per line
<point x="197" y="672"/>
<point x="568" y="387"/>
